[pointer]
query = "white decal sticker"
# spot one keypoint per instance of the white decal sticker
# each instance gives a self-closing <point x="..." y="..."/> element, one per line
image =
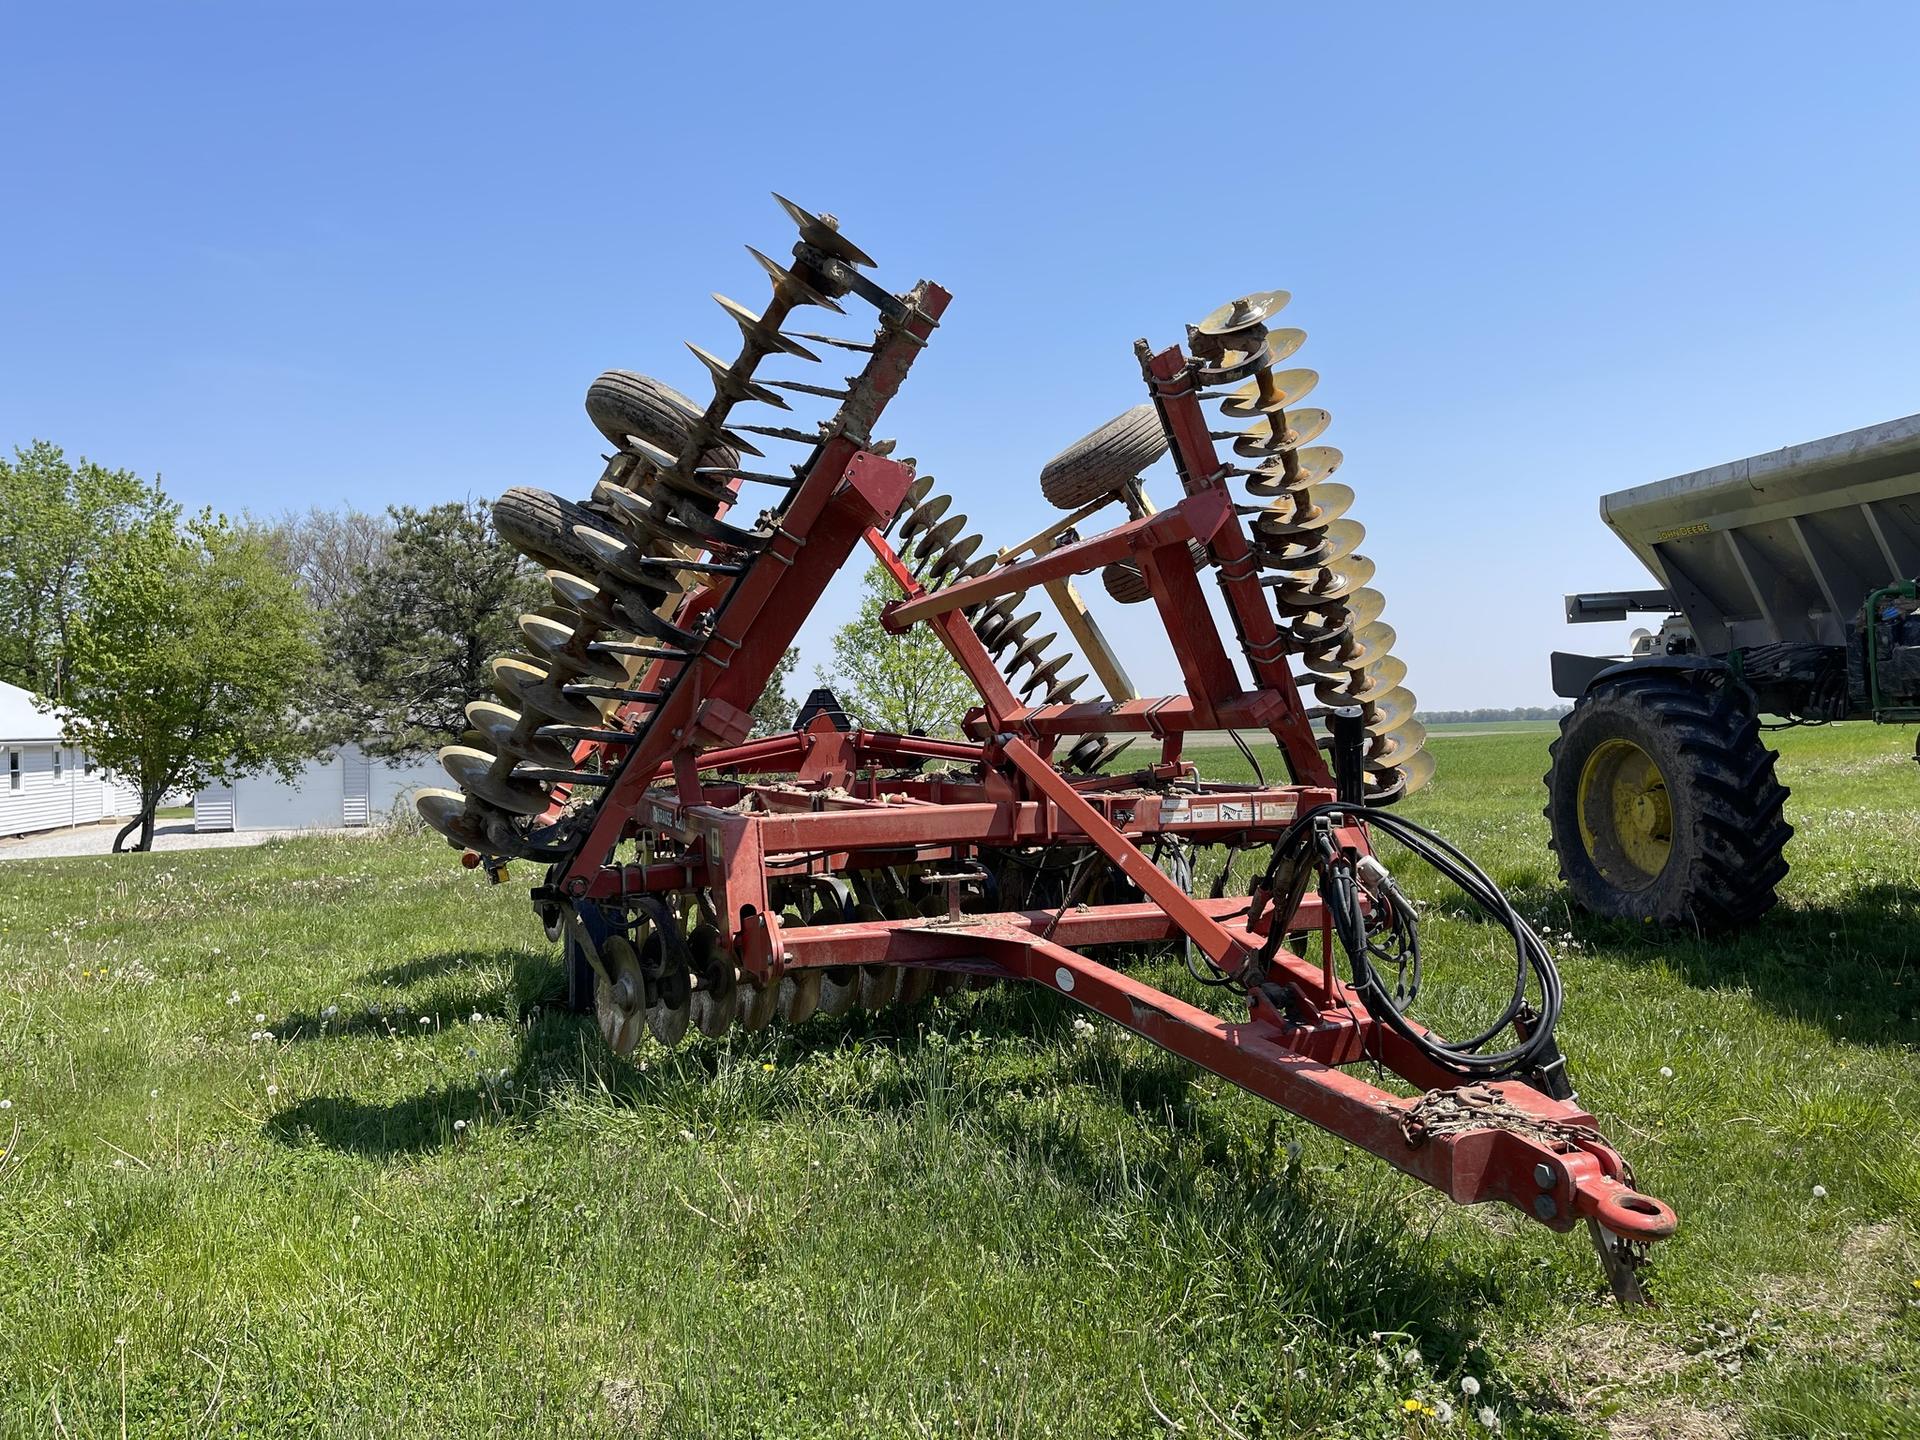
<point x="1235" y="810"/>
<point x="1204" y="814"/>
<point x="1172" y="808"/>
<point x="1063" y="977"/>
<point x="1278" y="809"/>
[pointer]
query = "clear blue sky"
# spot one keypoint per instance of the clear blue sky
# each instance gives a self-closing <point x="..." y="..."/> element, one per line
<point x="310" y="254"/>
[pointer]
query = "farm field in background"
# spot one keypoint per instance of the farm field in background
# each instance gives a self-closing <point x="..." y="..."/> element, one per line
<point x="300" y="1146"/>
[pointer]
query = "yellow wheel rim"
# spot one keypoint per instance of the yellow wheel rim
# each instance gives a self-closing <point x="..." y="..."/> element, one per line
<point x="1626" y="815"/>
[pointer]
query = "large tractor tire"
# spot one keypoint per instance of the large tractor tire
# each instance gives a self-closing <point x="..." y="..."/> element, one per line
<point x="1663" y="804"/>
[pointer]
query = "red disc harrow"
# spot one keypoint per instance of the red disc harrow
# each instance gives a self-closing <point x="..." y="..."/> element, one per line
<point x="702" y="879"/>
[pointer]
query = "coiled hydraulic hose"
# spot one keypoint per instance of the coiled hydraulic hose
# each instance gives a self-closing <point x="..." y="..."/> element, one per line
<point x="1341" y="883"/>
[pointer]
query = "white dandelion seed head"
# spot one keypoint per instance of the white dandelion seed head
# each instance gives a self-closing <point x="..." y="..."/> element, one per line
<point x="273" y="1089"/>
<point x="1819" y="1192"/>
<point x="259" y="1019"/>
<point x="1469" y="1386"/>
<point x="1487" y="1418"/>
<point x="1666" y="1072"/>
<point x="459" y="1125"/>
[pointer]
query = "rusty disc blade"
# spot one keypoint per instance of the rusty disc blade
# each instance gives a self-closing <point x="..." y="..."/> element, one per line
<point x="500" y="725"/>
<point x="1360" y="649"/>
<point x="1243" y="312"/>
<point x="1288" y="388"/>
<point x="1358" y="687"/>
<point x="472" y="771"/>
<point x="562" y="647"/>
<point x="1396" y="746"/>
<point x="1389" y="711"/>
<point x="446" y="812"/>
<point x="822" y="232"/>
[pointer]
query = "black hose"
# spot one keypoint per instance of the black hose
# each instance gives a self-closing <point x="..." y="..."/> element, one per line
<point x="1340" y="892"/>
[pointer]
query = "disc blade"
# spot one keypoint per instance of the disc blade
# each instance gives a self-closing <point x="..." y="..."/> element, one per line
<point x="1328" y="582"/>
<point x="1284" y="390"/>
<point x="501" y="725"/>
<point x="561" y="645"/>
<point x="1356" y="688"/>
<point x="1389" y="711"/>
<point x="472" y="771"/>
<point x="446" y="812"/>
<point x="1243" y="311"/>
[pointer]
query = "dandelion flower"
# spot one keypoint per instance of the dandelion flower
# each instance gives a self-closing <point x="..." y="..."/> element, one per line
<point x="767" y="1066"/>
<point x="8" y="1105"/>
<point x="425" y="1021"/>
<point x="1487" y="1418"/>
<point x="153" y="1094"/>
<point x="1819" y="1192"/>
<point x="459" y="1125"/>
<point x="1443" y="1412"/>
<point x="330" y="1012"/>
<point x="1666" y="1072"/>
<point x="475" y="1018"/>
<point x="273" y="1090"/>
<point x="259" y="1019"/>
<point x="1469" y="1386"/>
<point x="1410" y="1405"/>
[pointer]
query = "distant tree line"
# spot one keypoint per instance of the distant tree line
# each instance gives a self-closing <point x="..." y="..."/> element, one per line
<point x="1511" y="712"/>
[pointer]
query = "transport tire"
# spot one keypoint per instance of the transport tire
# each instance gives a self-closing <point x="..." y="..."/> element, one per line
<point x="1663" y="805"/>
<point x="539" y="524"/>
<point x="622" y="403"/>
<point x="1097" y="465"/>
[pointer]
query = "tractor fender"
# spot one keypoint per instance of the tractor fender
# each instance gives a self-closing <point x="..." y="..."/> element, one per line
<point x="1664" y="664"/>
<point x="1577" y="676"/>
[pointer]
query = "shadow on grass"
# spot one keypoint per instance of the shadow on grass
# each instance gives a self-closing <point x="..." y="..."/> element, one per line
<point x="1851" y="969"/>
<point x="1352" y="1269"/>
<point x="534" y="982"/>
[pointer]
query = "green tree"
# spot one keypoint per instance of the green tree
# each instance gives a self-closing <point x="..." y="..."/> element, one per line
<point x="190" y="662"/>
<point x="57" y="519"/>
<point x="409" y="640"/>
<point x="773" y="712"/>
<point x="906" y="683"/>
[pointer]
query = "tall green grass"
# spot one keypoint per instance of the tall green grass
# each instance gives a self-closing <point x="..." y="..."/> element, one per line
<point x="300" y="1146"/>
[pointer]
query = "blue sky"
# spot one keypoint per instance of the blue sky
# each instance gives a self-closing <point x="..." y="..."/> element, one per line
<point x="310" y="254"/>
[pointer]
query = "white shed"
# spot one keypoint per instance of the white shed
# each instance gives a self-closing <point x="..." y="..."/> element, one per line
<point x="344" y="787"/>
<point x="46" y="784"/>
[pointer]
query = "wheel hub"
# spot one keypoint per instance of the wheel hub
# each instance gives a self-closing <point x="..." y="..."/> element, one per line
<point x="1626" y="814"/>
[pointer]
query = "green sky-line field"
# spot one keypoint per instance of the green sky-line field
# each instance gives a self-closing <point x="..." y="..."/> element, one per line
<point x="300" y="1146"/>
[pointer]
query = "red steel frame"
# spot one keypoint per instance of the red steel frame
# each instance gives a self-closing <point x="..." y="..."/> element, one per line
<point x="742" y="814"/>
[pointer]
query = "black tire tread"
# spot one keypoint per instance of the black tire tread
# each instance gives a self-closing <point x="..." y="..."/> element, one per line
<point x="1730" y="830"/>
<point x="1098" y="464"/>
<point x="624" y="402"/>
<point x="539" y="524"/>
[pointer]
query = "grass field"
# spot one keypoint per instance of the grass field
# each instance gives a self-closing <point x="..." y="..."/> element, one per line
<point x="299" y="1147"/>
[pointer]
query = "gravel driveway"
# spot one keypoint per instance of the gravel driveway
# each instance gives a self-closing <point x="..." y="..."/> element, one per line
<point x="167" y="835"/>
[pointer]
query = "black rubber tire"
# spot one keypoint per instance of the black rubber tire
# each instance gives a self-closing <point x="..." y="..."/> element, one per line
<point x="579" y="975"/>
<point x="1097" y="465"/>
<point x="623" y="402"/>
<point x="1727" y="826"/>
<point x="539" y="524"/>
<point x="1125" y="582"/>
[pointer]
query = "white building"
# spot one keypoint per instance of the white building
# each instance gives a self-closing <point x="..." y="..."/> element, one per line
<point x="44" y="783"/>
<point x="344" y="787"/>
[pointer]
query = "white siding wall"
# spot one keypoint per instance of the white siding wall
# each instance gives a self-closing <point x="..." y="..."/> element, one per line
<point x="44" y="801"/>
<point x="343" y="788"/>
